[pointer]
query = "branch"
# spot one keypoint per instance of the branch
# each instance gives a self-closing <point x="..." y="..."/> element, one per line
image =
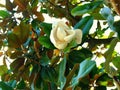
<point x="93" y="42"/>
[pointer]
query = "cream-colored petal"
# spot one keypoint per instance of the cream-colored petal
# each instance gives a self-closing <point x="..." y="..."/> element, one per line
<point x="61" y="45"/>
<point x="70" y="36"/>
<point x="63" y="25"/>
<point x="53" y="36"/>
<point x="61" y="34"/>
<point x="78" y="36"/>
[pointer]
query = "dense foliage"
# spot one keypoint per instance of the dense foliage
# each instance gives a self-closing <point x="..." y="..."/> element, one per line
<point x="34" y="61"/>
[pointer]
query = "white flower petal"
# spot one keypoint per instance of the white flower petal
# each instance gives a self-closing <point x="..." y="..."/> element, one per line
<point x="78" y="36"/>
<point x="70" y="36"/>
<point x="61" y="34"/>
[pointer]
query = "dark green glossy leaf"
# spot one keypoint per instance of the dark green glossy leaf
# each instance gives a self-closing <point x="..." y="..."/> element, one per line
<point x="104" y="80"/>
<point x="45" y="41"/>
<point x="86" y="8"/>
<point x="61" y="78"/>
<point x="12" y="83"/>
<point x="117" y="27"/>
<point x="101" y="88"/>
<point x="44" y="61"/>
<point x="48" y="74"/>
<point x="85" y="67"/>
<point x="77" y="56"/>
<point x="4" y="14"/>
<point x="3" y="69"/>
<point x="47" y="27"/>
<point x="85" y="24"/>
<point x="39" y="81"/>
<point x="4" y="86"/>
<point x="21" y="85"/>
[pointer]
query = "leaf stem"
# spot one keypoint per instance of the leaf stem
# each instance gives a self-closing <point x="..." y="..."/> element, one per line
<point x="70" y="75"/>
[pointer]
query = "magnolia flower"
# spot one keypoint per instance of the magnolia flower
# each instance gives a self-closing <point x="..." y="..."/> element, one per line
<point x="61" y="35"/>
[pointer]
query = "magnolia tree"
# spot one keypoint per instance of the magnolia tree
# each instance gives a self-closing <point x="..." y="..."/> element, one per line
<point x="38" y="55"/>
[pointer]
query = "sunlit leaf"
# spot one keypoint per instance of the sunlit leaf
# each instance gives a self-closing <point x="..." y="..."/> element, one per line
<point x="116" y="62"/>
<point x="3" y="69"/>
<point x="4" y="14"/>
<point x="106" y="13"/>
<point x="86" y="8"/>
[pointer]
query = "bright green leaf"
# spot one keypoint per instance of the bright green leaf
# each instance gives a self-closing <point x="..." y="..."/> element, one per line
<point x="85" y="67"/>
<point x="3" y="69"/>
<point x="108" y="54"/>
<point x="116" y="62"/>
<point x="45" y="41"/>
<point x="4" y="14"/>
<point x="86" y="8"/>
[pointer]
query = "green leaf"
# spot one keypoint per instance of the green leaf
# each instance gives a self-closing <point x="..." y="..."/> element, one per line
<point x="85" y="67"/>
<point x="47" y="27"/>
<point x="108" y="54"/>
<point x="86" y="8"/>
<point x="4" y="14"/>
<point x="106" y="13"/>
<point x="44" y="61"/>
<point x="12" y="83"/>
<point x="116" y="62"/>
<point x="3" y="69"/>
<point x="117" y="27"/>
<point x="85" y="24"/>
<point x="69" y="46"/>
<point x="48" y="74"/>
<point x="101" y="88"/>
<point x="4" y="86"/>
<point x="45" y="41"/>
<point x="21" y="85"/>
<point x="77" y="56"/>
<point x="104" y="80"/>
<point x="61" y="78"/>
